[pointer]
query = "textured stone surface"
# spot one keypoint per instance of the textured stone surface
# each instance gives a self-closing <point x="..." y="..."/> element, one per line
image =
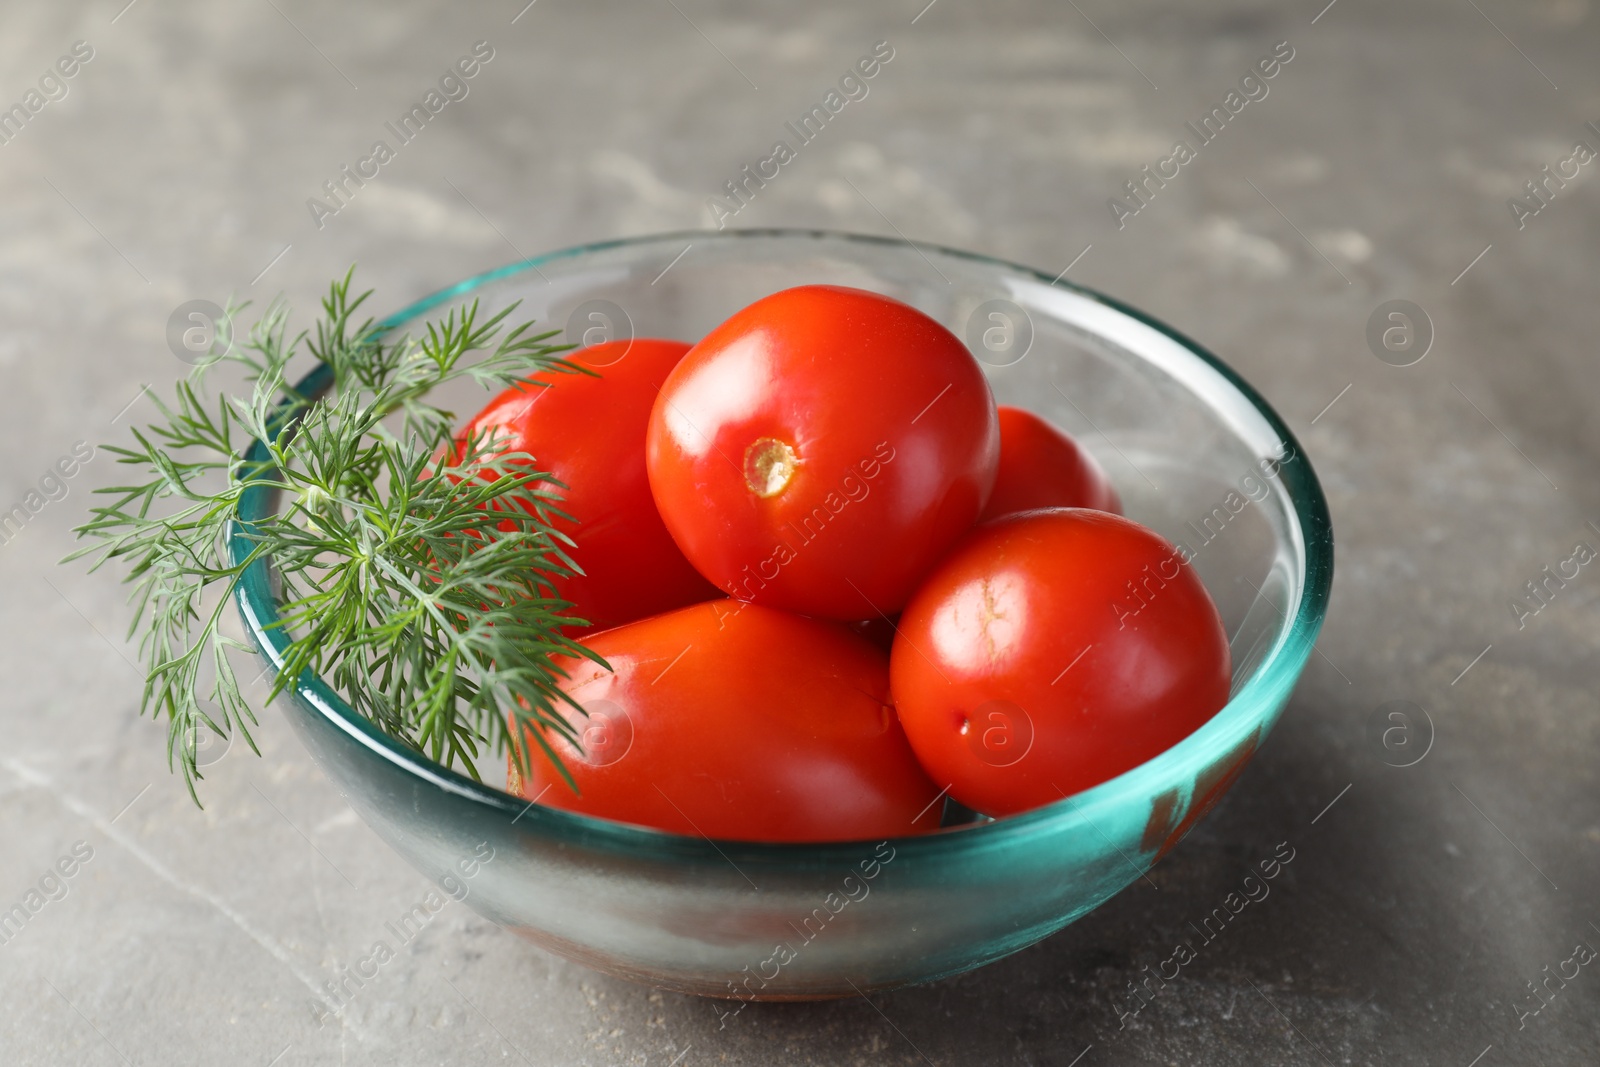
<point x="1417" y="906"/>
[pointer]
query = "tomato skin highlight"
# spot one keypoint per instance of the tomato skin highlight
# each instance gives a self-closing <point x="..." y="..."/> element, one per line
<point x="589" y="433"/>
<point x="821" y="449"/>
<point x="1051" y="651"/>
<point x="1043" y="467"/>
<point x="738" y="722"/>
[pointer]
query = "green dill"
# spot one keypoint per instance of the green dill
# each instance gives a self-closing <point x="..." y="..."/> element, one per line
<point x="415" y="571"/>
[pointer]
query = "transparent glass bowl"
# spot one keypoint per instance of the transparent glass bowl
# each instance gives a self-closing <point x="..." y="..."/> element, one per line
<point x="1183" y="436"/>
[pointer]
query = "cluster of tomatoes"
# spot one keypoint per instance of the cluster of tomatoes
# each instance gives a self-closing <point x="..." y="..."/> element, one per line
<point x="834" y="583"/>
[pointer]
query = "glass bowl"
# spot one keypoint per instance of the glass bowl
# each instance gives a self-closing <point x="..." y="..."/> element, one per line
<point x="1196" y="453"/>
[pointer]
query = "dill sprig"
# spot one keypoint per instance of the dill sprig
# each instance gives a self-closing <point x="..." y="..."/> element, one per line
<point x="414" y="571"/>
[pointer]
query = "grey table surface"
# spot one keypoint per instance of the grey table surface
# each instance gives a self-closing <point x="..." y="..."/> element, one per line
<point x="1422" y="902"/>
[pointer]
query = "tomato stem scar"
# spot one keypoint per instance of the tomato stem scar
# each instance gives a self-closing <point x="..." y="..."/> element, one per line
<point x="769" y="466"/>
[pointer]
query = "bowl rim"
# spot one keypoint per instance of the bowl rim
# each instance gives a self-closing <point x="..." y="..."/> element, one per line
<point x="1270" y="681"/>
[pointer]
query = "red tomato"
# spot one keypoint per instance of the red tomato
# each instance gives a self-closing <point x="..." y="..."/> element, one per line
<point x="1052" y="650"/>
<point x="740" y="722"/>
<point x="589" y="433"/>
<point x="1041" y="467"/>
<point x="821" y="449"/>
